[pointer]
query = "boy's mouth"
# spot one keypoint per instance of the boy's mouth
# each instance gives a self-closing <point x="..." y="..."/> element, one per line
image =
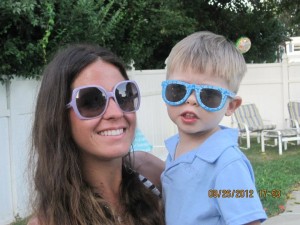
<point x="189" y="115"/>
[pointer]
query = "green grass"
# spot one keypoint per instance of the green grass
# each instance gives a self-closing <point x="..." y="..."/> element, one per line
<point x="276" y="175"/>
<point x="19" y="221"/>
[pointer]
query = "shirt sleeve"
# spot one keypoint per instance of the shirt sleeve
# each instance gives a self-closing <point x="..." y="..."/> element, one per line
<point x="238" y="201"/>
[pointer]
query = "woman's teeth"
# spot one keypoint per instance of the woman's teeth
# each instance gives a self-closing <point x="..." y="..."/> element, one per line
<point x="112" y="132"/>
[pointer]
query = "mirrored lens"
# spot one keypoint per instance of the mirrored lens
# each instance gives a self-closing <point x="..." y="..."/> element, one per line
<point x="175" y="92"/>
<point x="211" y="98"/>
<point x="90" y="102"/>
<point x="127" y="96"/>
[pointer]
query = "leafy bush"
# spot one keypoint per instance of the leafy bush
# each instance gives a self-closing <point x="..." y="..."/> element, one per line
<point x="32" y="30"/>
<point x="21" y="30"/>
<point x="141" y="30"/>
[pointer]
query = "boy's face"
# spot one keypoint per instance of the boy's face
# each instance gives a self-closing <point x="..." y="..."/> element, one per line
<point x="190" y="117"/>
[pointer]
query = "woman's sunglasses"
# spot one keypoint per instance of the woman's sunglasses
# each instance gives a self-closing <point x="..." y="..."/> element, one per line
<point x="91" y="101"/>
<point x="210" y="98"/>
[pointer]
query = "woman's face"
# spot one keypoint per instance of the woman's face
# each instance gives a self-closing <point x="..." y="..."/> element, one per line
<point x="109" y="136"/>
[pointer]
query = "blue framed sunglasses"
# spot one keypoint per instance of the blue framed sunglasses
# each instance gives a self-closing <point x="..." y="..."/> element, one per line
<point x="210" y="98"/>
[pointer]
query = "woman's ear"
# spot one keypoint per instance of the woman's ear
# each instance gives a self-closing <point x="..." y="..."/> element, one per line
<point x="233" y="105"/>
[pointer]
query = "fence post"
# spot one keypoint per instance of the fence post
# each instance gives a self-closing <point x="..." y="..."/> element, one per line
<point x="131" y="71"/>
<point x="285" y="85"/>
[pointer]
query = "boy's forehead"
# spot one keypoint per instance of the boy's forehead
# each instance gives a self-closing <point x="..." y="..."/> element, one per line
<point x="191" y="71"/>
<point x="190" y="75"/>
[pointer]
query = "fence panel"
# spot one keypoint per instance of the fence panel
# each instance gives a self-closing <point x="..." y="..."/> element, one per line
<point x="22" y="100"/>
<point x="152" y="116"/>
<point x="6" y="201"/>
<point x="263" y="85"/>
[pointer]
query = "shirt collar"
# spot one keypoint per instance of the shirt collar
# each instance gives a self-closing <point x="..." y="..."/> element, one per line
<point x="212" y="148"/>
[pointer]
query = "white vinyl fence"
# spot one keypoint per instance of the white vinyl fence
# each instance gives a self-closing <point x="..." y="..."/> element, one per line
<point x="269" y="86"/>
<point x="16" y="108"/>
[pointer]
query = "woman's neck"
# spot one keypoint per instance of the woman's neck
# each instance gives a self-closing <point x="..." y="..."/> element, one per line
<point x="105" y="178"/>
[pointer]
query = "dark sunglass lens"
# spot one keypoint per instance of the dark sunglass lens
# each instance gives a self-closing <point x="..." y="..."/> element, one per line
<point x="175" y="92"/>
<point x="90" y="102"/>
<point x="211" y="98"/>
<point x="127" y="96"/>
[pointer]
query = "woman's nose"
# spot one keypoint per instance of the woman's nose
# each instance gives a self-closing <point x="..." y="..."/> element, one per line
<point x="113" y="110"/>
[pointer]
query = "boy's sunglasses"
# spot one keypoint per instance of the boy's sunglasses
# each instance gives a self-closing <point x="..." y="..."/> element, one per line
<point x="91" y="101"/>
<point x="210" y="98"/>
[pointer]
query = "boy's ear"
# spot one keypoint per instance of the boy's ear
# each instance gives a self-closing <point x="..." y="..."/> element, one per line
<point x="233" y="105"/>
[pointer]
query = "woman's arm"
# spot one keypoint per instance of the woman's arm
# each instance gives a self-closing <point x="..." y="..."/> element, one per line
<point x="149" y="166"/>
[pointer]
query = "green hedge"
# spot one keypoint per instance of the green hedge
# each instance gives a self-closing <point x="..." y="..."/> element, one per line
<point x="31" y="31"/>
<point x="140" y="30"/>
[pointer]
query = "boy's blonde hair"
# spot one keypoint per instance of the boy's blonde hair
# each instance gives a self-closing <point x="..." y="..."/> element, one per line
<point x="205" y="51"/>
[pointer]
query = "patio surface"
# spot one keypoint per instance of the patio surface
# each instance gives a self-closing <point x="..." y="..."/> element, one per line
<point x="291" y="215"/>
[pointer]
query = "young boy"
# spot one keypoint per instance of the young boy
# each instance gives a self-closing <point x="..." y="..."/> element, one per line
<point x="207" y="180"/>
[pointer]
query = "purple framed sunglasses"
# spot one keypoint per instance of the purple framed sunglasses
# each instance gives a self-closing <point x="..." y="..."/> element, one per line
<point x="91" y="101"/>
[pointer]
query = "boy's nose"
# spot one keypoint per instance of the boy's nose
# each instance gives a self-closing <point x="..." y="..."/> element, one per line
<point x="192" y="100"/>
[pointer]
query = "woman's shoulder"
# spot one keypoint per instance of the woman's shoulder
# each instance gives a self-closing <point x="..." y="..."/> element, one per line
<point x="33" y="221"/>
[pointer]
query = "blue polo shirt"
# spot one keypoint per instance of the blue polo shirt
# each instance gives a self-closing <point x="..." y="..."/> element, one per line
<point x="210" y="185"/>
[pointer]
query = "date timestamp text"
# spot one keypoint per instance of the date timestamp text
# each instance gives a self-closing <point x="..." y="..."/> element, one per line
<point x="239" y="193"/>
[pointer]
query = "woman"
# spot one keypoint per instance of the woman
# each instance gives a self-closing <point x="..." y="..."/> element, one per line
<point x="83" y="129"/>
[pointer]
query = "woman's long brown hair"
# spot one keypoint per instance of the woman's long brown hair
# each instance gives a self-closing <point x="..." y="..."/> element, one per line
<point x="62" y="197"/>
